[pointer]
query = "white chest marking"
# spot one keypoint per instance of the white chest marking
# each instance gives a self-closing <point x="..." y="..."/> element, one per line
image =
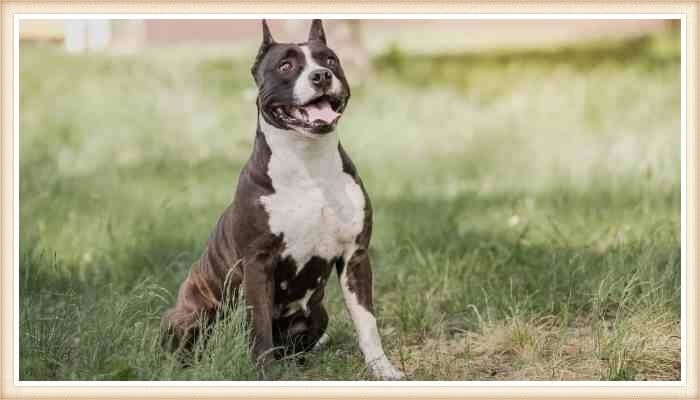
<point x="317" y="207"/>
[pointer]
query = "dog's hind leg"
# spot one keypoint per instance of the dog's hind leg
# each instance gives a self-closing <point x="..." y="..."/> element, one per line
<point x="212" y="282"/>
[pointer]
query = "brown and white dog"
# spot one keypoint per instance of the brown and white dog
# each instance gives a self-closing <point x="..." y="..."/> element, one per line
<point x="300" y="210"/>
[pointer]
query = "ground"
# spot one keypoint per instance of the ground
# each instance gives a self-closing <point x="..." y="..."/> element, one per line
<point x="527" y="211"/>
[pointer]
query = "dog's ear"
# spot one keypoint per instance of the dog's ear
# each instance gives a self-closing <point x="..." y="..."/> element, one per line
<point x="316" y="32"/>
<point x="267" y="41"/>
<point x="267" y="38"/>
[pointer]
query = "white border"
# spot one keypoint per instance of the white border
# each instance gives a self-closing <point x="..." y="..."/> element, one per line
<point x="550" y="16"/>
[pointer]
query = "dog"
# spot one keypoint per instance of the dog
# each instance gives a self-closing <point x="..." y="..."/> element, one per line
<point x="299" y="211"/>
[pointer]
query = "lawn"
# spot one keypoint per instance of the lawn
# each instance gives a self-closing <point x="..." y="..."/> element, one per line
<point x="527" y="211"/>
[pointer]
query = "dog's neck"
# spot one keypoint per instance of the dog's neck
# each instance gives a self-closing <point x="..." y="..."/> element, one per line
<point x="312" y="156"/>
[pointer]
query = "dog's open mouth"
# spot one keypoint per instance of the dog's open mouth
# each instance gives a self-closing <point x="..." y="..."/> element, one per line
<point x="319" y="114"/>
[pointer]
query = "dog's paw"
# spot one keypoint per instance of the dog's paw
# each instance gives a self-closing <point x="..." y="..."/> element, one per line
<point x="322" y="343"/>
<point x="382" y="369"/>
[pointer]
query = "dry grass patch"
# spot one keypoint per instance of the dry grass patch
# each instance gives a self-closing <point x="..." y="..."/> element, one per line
<point x="644" y="346"/>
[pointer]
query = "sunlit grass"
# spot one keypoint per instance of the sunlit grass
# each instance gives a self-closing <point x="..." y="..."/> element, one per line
<point x="527" y="211"/>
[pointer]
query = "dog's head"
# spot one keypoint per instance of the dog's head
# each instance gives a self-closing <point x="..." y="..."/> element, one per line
<point x="301" y="86"/>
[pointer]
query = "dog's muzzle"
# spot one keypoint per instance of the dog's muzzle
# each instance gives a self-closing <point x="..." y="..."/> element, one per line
<point x="319" y="114"/>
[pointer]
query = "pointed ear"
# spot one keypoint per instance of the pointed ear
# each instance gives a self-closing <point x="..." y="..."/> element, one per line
<point x="316" y="32"/>
<point x="267" y="41"/>
<point x="267" y="38"/>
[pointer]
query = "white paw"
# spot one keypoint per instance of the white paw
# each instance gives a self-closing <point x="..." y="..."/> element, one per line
<point x="382" y="369"/>
<point x="322" y="342"/>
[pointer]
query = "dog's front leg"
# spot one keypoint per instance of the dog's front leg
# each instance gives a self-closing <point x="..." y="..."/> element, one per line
<point x="259" y="293"/>
<point x="356" y="284"/>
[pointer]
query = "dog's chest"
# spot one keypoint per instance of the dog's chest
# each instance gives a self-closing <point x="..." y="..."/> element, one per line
<point x="317" y="208"/>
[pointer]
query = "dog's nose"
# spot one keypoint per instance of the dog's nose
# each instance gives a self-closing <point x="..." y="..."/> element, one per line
<point x="321" y="78"/>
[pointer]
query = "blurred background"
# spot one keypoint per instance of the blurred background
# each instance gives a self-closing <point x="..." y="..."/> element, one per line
<point x="430" y="35"/>
<point x="525" y="176"/>
<point x="363" y="37"/>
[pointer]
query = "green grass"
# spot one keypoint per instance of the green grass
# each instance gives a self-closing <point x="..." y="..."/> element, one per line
<point x="527" y="208"/>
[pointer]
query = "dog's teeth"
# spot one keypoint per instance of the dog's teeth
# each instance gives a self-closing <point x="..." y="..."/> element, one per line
<point x="300" y="113"/>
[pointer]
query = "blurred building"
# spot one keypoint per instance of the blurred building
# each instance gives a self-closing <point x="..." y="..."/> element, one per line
<point x="461" y="33"/>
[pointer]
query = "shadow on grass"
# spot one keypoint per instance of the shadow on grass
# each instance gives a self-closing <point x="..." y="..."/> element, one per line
<point x="433" y="271"/>
<point x="432" y="267"/>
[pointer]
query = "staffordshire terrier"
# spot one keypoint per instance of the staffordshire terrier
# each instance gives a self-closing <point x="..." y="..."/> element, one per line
<point x="299" y="211"/>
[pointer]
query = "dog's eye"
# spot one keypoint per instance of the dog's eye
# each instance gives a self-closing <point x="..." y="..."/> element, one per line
<point x="330" y="61"/>
<point x="285" y="67"/>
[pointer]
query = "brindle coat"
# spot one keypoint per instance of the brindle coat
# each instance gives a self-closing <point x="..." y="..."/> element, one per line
<point x="242" y="251"/>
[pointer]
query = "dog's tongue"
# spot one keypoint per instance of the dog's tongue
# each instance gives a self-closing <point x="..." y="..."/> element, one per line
<point x="323" y="111"/>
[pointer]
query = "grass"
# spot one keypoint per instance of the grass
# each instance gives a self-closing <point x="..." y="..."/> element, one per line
<point x="527" y="206"/>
